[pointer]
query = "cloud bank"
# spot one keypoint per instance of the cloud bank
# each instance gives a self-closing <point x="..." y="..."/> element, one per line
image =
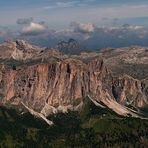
<point x="89" y="35"/>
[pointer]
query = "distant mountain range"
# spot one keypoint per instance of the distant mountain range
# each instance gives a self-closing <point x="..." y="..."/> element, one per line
<point x="87" y="35"/>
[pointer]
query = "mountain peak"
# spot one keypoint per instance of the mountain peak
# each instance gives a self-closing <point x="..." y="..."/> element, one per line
<point x="70" y="46"/>
<point x="23" y="45"/>
<point x="72" y="40"/>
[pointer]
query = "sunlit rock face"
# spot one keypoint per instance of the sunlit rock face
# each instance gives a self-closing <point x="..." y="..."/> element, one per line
<point x="64" y="81"/>
<point x="51" y="80"/>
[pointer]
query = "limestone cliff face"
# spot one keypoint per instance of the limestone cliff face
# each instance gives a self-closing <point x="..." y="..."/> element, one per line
<point x="63" y="82"/>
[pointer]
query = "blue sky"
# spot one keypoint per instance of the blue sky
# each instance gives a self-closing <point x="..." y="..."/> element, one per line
<point x="59" y="13"/>
<point x="96" y="23"/>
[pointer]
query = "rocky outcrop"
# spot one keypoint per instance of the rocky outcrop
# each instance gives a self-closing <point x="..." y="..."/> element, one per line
<point x="70" y="47"/>
<point x="64" y="82"/>
<point x="52" y="82"/>
<point x="18" y="50"/>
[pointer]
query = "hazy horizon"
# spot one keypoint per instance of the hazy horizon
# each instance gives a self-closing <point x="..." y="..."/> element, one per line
<point x="94" y="23"/>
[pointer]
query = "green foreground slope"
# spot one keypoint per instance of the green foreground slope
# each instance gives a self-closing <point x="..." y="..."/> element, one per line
<point x="92" y="127"/>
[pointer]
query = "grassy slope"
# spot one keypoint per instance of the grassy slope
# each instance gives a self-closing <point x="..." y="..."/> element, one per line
<point x="92" y="127"/>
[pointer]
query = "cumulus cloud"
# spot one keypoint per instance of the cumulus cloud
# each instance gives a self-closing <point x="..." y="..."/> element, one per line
<point x="62" y="5"/>
<point x="29" y="27"/>
<point x="33" y="28"/>
<point x="83" y="28"/>
<point x="87" y="34"/>
<point x="24" y="21"/>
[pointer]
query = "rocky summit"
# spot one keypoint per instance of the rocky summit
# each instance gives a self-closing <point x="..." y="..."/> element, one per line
<point x="70" y="47"/>
<point x="46" y="81"/>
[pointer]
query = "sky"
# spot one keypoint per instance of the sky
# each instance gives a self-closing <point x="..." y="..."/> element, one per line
<point x="59" y="13"/>
<point x="94" y="23"/>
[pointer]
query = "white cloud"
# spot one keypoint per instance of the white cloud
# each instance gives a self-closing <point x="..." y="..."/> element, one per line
<point x="34" y="28"/>
<point x="127" y="27"/>
<point x="132" y="27"/>
<point x="62" y="5"/>
<point x="83" y="28"/>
